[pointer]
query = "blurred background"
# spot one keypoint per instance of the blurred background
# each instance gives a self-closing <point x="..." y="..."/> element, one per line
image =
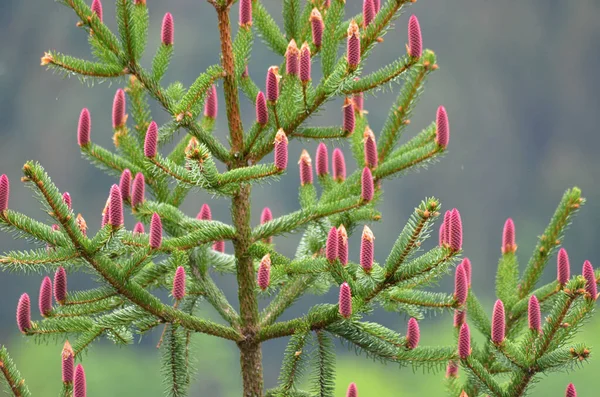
<point x="520" y="83"/>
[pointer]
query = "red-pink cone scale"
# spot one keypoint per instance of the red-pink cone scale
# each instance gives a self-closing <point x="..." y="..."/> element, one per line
<point x="571" y="392"/>
<point x="167" y="30"/>
<point x="79" y="385"/>
<point x="352" y="390"/>
<point x="338" y="165"/>
<point x="205" y="213"/>
<point x="118" y="109"/>
<point x="456" y="232"/>
<point x="292" y="59"/>
<point x="281" y="150"/>
<point x="138" y="190"/>
<point x="563" y="268"/>
<point x="125" y="185"/>
<point x="178" y="291"/>
<point x="151" y="140"/>
<point x="345" y="301"/>
<point x="498" y="322"/>
<point x="508" y="237"/>
<point x="534" y="315"/>
<point x="219" y="246"/>
<point x="590" y="280"/>
<point x="116" y="207"/>
<point x="272" y="83"/>
<point x="262" y="114"/>
<point x="466" y="263"/>
<point x="377" y="5"/>
<point x="317" y="27"/>
<point x="413" y="334"/>
<point x="84" y="127"/>
<point x="60" y="285"/>
<point x="342" y="245"/>
<point x="139" y="228"/>
<point x="368" y="10"/>
<point x="464" y="341"/>
<point x="367" y="186"/>
<point x="106" y="213"/>
<point x="353" y="45"/>
<point x="45" y="297"/>
<point x="67" y="199"/>
<point x="370" y="148"/>
<point x="211" y="106"/>
<point x="68" y="363"/>
<point x="305" y="63"/>
<point x="4" y="192"/>
<point x="348" y="119"/>
<point x="461" y="287"/>
<point x="322" y="160"/>
<point x="447" y="216"/>
<point x="332" y="245"/>
<point x="305" y="166"/>
<point x="442" y="235"/>
<point x="367" y="249"/>
<point x="263" y="278"/>
<point x="245" y="12"/>
<point x="415" y="41"/>
<point x="442" y="131"/>
<point x="155" y="231"/>
<point x="24" y="313"/>
<point x="97" y="9"/>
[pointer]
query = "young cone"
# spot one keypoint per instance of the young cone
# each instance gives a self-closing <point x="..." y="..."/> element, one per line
<point x="68" y="363"/>
<point x="178" y="290"/>
<point x="246" y="13"/>
<point x="66" y="199"/>
<point x="338" y="165"/>
<point x="151" y="141"/>
<point x="452" y="369"/>
<point x="571" y="392"/>
<point x="466" y="263"/>
<point x="97" y="9"/>
<point x="138" y="190"/>
<point x="461" y="287"/>
<point x="106" y="213"/>
<point x="211" y="106"/>
<point x="60" y="285"/>
<point x="498" y="322"/>
<point x="332" y="245"/>
<point x="322" y="160"/>
<point x="24" y="313"/>
<point x="345" y="301"/>
<point x="464" y="341"/>
<point x="447" y="216"/>
<point x="415" y="42"/>
<point x="317" y="27"/>
<point x="368" y="9"/>
<point x="262" y="114"/>
<point x="139" y="228"/>
<point x="367" y="186"/>
<point x="4" y="192"/>
<point x="305" y="63"/>
<point x="45" y="297"/>
<point x="167" y="30"/>
<point x="292" y="59"/>
<point x="81" y="224"/>
<point x="348" y="120"/>
<point x="265" y="217"/>
<point x="342" y="245"/>
<point x="456" y="233"/>
<point x="305" y="165"/>
<point x="84" y="128"/>
<point x="155" y="231"/>
<point x="263" y="278"/>
<point x="370" y="148"/>
<point x="219" y="246"/>
<point x="116" y="207"/>
<point x="367" y="249"/>
<point x="79" y="386"/>
<point x="377" y="5"/>
<point x="353" y="45"/>
<point x="563" y="268"/>
<point x="413" y="334"/>
<point x="125" y="185"/>
<point x="272" y="83"/>
<point x="508" y="237"/>
<point x="442" y="235"/>
<point x="590" y="280"/>
<point x="281" y="150"/>
<point x="118" y="109"/>
<point x="442" y="131"/>
<point x="205" y="213"/>
<point x="534" y="316"/>
<point x="352" y="390"/>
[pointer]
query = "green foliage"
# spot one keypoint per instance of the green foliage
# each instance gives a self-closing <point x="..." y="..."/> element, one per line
<point x="13" y="381"/>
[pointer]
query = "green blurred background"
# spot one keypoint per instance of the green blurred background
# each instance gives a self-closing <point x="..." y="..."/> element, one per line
<point x="519" y="80"/>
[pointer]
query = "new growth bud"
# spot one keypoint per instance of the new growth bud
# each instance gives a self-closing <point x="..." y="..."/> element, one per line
<point x="508" y="237"/>
<point x="563" y="268"/>
<point x="498" y="322"/>
<point x="265" y="217"/>
<point x="353" y="45"/>
<point x="534" y="315"/>
<point x="338" y="165"/>
<point x="322" y="160"/>
<point x="264" y="272"/>
<point x="370" y="148"/>
<point x="60" y="285"/>
<point x="367" y="186"/>
<point x="272" y="83"/>
<point x="332" y="245"/>
<point x="281" y="150"/>
<point x="305" y="63"/>
<point x="368" y="12"/>
<point x="4" y="192"/>
<point x="68" y="363"/>
<point x="24" y="313"/>
<point x="245" y="12"/>
<point x="97" y="9"/>
<point x="155" y="231"/>
<point x="178" y="291"/>
<point x="292" y="59"/>
<point x="84" y="128"/>
<point x="442" y="130"/>
<point x="167" y="30"/>
<point x="151" y="140"/>
<point x="590" y="280"/>
<point x="67" y="199"/>
<point x="317" y="27"/>
<point x="345" y="301"/>
<point x="262" y="114"/>
<point x="118" y="109"/>
<point x="461" y="286"/>
<point x="452" y="369"/>
<point x="415" y="42"/>
<point x="305" y="165"/>
<point x="342" y="245"/>
<point x="116" y="207"/>
<point x="571" y="392"/>
<point x="219" y="246"/>
<point x="464" y="341"/>
<point x="348" y="120"/>
<point x="205" y="213"/>
<point x="211" y="106"/>
<point x="456" y="233"/>
<point x="413" y="334"/>
<point x="79" y="386"/>
<point x="138" y="189"/>
<point x="45" y="297"/>
<point x="125" y="185"/>
<point x="367" y="249"/>
<point x="139" y="228"/>
<point x="352" y="390"/>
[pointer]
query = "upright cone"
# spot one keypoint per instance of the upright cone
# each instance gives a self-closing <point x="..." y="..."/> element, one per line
<point x="167" y="30"/>
<point x="84" y="128"/>
<point x="338" y="165"/>
<point x="118" y="109"/>
<point x="345" y="301"/>
<point x="415" y="42"/>
<point x="322" y="160"/>
<point x="367" y="249"/>
<point x="281" y="150"/>
<point x="332" y="245"/>
<point x="263" y="278"/>
<point x="45" y="297"/>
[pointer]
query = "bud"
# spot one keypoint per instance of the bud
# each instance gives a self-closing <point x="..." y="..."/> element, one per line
<point x="338" y="164"/>
<point x="590" y="280"/>
<point x="139" y="228"/>
<point x="79" y="387"/>
<point x="534" y="316"/>
<point x="415" y="42"/>
<point x="353" y="45"/>
<point x="342" y="245"/>
<point x="166" y="30"/>
<point x="305" y="165"/>
<point x="348" y="120"/>
<point x="413" y="334"/>
<point x="178" y="291"/>
<point x="118" y="109"/>
<point x="367" y="187"/>
<point x="368" y="12"/>
<point x="155" y="231"/>
<point x="367" y="249"/>
<point x="571" y="392"/>
<point x="125" y="185"/>
<point x="370" y="148"/>
<point x="272" y="83"/>
<point x="67" y="199"/>
<point x="498" y="322"/>
<point x="262" y="114"/>
<point x="461" y="288"/>
<point x="4" y="192"/>
<point x="317" y="27"/>
<point x="219" y="246"/>
<point x="84" y="127"/>
<point x="464" y="341"/>
<point x="151" y="141"/>
<point x="456" y="233"/>
<point x="452" y="369"/>
<point x="466" y="263"/>
<point x="211" y="106"/>
<point x="97" y="9"/>
<point x="460" y="316"/>
<point x="264" y="272"/>
<point x="305" y="63"/>
<point x="81" y="224"/>
<point x="331" y="247"/>
<point x="68" y="363"/>
<point x="245" y="12"/>
<point x="265" y="217"/>
<point x="447" y="216"/>
<point x="442" y="130"/>
<point x="205" y="213"/>
<point x="292" y="59"/>
<point x="139" y="186"/>
<point x="563" y="267"/>
<point x="24" y="313"/>
<point x="281" y="150"/>
<point x="352" y="390"/>
<point x="322" y="163"/>
<point x="345" y="301"/>
<point x="60" y="285"/>
<point x="45" y="297"/>
<point x="508" y="237"/>
<point x="116" y="207"/>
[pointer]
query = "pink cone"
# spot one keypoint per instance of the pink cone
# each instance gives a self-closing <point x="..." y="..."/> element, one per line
<point x="456" y="233"/>
<point x="348" y="120"/>
<point x="498" y="322"/>
<point x="139" y="228"/>
<point x="466" y="263"/>
<point x="413" y="334"/>
<point x="97" y="9"/>
<point x="345" y="301"/>
<point x="125" y="185"/>
<point x="79" y="386"/>
<point x="84" y="128"/>
<point x="106" y="213"/>
<point x="353" y="45"/>
<point x="447" y="221"/>
<point x="508" y="237"/>
<point x="368" y="12"/>
<point x="305" y="63"/>
<point x="24" y="313"/>
<point x="118" y="109"/>
<point x="590" y="280"/>
<point x="211" y="106"/>
<point x="205" y="213"/>
<point x="138" y="189"/>
<point x="151" y="140"/>
<point x="292" y="59"/>
<point x="370" y="148"/>
<point x="317" y="27"/>
<point x="219" y="246"/>
<point x="338" y="165"/>
<point x="367" y="186"/>
<point x="272" y="83"/>
<point x="461" y="287"/>
<point x="155" y="231"/>
<point x="442" y="132"/>
<point x="464" y="341"/>
<point x="245" y="12"/>
<point x="331" y="247"/>
<point x="452" y="369"/>
<point x="178" y="291"/>
<point x="60" y="285"/>
<point x="263" y="278"/>
<point x="281" y="150"/>
<point x="67" y="199"/>
<point x="352" y="390"/>
<point x="167" y="29"/>
<point x="367" y="249"/>
<point x="68" y="363"/>
<point x="534" y="315"/>
<point x="342" y="245"/>
<point x="4" y="192"/>
<point x="116" y="207"/>
<point x="262" y="114"/>
<point x="415" y="42"/>
<point x="571" y="392"/>
<point x="45" y="297"/>
<point x="305" y="165"/>
<point x="563" y="267"/>
<point x="322" y="160"/>
<point x="265" y="217"/>
<point x="377" y="5"/>
<point x="442" y="235"/>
